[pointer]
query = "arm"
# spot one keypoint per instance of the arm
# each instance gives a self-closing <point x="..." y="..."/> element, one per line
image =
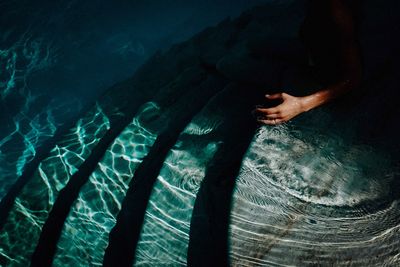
<point x="351" y="63"/>
<point x="350" y="78"/>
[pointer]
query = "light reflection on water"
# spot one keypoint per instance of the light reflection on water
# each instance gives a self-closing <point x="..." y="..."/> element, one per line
<point x="298" y="190"/>
<point x="22" y="228"/>
<point x="94" y="213"/>
<point x="325" y="170"/>
<point x="295" y="194"/>
<point x="299" y="193"/>
<point x="27" y="119"/>
<point x="165" y="232"/>
<point x="305" y="199"/>
<point x="20" y="145"/>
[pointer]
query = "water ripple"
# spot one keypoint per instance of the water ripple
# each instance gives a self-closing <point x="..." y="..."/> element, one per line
<point x="165" y="234"/>
<point x="94" y="213"/>
<point x="306" y="198"/>
<point x="32" y="206"/>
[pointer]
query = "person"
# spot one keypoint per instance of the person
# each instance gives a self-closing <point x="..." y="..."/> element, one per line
<point x="329" y="34"/>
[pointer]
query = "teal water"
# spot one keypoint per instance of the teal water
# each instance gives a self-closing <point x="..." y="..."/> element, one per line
<point x="308" y="193"/>
<point x="93" y="213"/>
<point x="306" y="201"/>
<point x="23" y="226"/>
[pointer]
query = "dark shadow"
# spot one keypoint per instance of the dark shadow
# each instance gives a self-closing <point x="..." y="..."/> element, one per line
<point x="124" y="236"/>
<point x="117" y="94"/>
<point x="208" y="244"/>
<point x="42" y="152"/>
<point x="128" y="104"/>
<point x="52" y="228"/>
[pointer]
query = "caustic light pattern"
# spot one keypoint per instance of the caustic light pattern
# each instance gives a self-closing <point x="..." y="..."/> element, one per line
<point x="302" y="195"/>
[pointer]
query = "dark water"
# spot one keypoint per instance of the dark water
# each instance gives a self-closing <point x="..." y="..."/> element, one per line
<point x="321" y="189"/>
<point x="58" y="56"/>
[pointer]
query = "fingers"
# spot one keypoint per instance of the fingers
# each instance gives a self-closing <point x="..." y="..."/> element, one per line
<point x="272" y="121"/>
<point x="273" y="116"/>
<point x="274" y="96"/>
<point x="267" y="111"/>
<point x="272" y="110"/>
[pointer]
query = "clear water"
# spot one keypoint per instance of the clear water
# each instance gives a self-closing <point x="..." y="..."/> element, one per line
<point x="93" y="213"/>
<point x="22" y="228"/>
<point x="309" y="202"/>
<point x="305" y="194"/>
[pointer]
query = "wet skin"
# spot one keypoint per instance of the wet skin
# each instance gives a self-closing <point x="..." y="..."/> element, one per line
<point x="338" y="14"/>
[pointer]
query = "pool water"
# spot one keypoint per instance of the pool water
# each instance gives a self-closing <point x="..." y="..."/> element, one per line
<point x="171" y="171"/>
<point x="298" y="191"/>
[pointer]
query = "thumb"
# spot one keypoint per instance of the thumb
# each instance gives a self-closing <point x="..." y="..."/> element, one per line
<point x="274" y="96"/>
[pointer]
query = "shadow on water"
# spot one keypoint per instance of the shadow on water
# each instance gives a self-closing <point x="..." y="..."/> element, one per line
<point x="52" y="228"/>
<point x="208" y="243"/>
<point x="212" y="208"/>
<point x="125" y="234"/>
<point x="185" y="86"/>
<point x="211" y="213"/>
<point x="41" y="153"/>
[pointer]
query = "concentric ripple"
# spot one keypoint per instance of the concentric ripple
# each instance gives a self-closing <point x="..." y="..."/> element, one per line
<point x="32" y="206"/>
<point x="302" y="198"/>
<point x="306" y="198"/>
<point x="165" y="234"/>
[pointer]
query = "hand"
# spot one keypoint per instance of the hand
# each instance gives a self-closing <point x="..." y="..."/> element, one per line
<point x="290" y="107"/>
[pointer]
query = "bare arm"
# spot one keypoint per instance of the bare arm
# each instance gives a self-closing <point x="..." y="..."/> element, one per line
<point x="350" y="60"/>
<point x="350" y="78"/>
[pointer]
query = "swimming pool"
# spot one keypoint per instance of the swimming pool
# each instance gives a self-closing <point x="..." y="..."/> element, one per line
<point x="158" y="178"/>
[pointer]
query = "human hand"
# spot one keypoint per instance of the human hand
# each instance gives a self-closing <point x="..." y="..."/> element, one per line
<point x="290" y="107"/>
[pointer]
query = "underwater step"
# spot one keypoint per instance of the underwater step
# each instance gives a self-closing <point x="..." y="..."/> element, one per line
<point x="164" y="236"/>
<point x="150" y="120"/>
<point x="124" y="236"/>
<point x="92" y="213"/>
<point x="31" y="207"/>
<point x="28" y="144"/>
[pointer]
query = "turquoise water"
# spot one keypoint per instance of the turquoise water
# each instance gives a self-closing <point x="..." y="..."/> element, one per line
<point x="310" y="192"/>
<point x="292" y="194"/>
<point x="93" y="213"/>
<point x="23" y="226"/>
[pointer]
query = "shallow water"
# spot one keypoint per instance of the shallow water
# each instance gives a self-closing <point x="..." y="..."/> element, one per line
<point x="322" y="198"/>
<point x="311" y="203"/>
<point x="308" y="193"/>
<point x="22" y="227"/>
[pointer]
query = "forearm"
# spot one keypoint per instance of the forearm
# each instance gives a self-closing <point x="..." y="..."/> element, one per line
<point x="350" y="80"/>
<point x="350" y="60"/>
<point x="326" y="95"/>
